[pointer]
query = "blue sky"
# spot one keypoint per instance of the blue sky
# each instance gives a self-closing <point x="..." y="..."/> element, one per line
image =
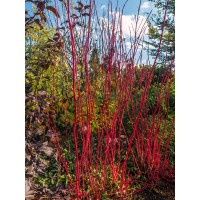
<point x="131" y="6"/>
<point x="130" y="10"/>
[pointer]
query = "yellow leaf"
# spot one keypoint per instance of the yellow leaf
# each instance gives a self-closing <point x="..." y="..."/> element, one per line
<point x="42" y="128"/>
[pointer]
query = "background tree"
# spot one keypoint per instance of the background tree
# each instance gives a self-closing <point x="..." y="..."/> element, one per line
<point x="155" y="28"/>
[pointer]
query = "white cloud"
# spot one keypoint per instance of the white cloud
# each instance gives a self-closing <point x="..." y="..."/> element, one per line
<point x="145" y="46"/>
<point x="150" y="46"/>
<point x="142" y="46"/>
<point x="128" y="45"/>
<point x="103" y="7"/>
<point x="170" y="16"/>
<point x="129" y="24"/>
<point x="145" y="5"/>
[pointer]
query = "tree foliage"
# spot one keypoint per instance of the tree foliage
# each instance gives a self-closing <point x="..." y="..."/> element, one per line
<point x="167" y="50"/>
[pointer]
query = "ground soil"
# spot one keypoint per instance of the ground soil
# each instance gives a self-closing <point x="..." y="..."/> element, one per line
<point x="161" y="192"/>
